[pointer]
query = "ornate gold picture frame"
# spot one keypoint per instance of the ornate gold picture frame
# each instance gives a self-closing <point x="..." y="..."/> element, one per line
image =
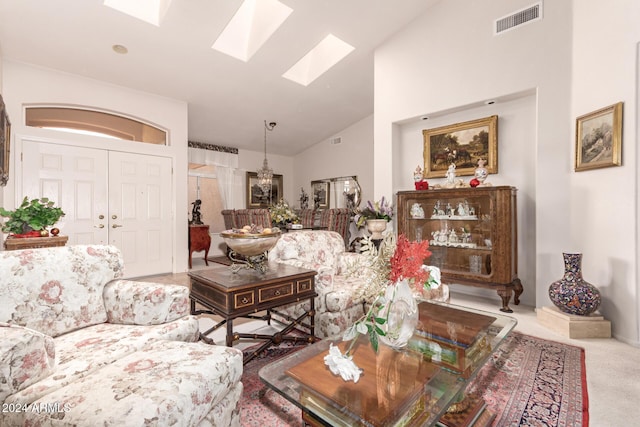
<point x="5" y="143"/>
<point x="463" y="144"/>
<point x="599" y="138"/>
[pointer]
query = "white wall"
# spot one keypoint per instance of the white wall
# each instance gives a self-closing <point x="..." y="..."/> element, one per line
<point x="604" y="203"/>
<point x="353" y="156"/>
<point x="447" y="63"/>
<point x="24" y="84"/>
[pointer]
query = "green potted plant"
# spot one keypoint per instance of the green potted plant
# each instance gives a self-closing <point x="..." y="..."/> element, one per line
<point x="31" y="218"/>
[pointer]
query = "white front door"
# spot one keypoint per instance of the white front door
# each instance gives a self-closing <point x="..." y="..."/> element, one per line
<point x="108" y="197"/>
<point x="140" y="211"/>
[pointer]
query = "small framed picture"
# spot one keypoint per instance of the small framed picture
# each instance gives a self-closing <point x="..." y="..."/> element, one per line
<point x="462" y="144"/>
<point x="599" y="138"/>
<point x="320" y="192"/>
<point x="256" y="198"/>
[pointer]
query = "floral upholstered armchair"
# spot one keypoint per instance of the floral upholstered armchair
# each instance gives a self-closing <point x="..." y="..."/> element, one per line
<point x="81" y="347"/>
<point x="339" y="302"/>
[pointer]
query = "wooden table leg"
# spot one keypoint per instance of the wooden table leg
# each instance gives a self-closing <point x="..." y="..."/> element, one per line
<point x="230" y="333"/>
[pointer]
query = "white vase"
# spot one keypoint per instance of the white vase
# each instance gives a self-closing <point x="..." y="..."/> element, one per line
<point x="376" y="227"/>
<point x="401" y="312"/>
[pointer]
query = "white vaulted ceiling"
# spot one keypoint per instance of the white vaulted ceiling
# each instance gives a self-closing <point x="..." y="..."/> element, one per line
<point x="228" y="99"/>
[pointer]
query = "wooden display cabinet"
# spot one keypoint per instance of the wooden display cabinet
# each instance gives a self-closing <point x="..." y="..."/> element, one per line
<point x="472" y="235"/>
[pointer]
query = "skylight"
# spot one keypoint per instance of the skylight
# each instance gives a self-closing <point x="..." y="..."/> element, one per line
<point x="318" y="60"/>
<point x="251" y="26"/>
<point x="151" y="11"/>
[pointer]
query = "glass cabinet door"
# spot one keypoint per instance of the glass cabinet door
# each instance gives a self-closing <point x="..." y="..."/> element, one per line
<point x="459" y="231"/>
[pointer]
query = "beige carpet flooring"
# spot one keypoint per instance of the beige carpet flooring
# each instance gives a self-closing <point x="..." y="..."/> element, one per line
<point x="613" y="367"/>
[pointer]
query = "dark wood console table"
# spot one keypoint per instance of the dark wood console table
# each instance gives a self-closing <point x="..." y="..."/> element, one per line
<point x="247" y="292"/>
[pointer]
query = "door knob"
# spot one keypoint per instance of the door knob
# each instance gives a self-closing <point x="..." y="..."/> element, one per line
<point x="100" y="216"/>
<point x="116" y="226"/>
<point x="99" y="226"/>
<point x="114" y="216"/>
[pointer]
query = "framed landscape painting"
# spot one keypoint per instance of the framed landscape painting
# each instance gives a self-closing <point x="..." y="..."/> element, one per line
<point x="256" y="198"/>
<point x="599" y="138"/>
<point x="462" y="144"/>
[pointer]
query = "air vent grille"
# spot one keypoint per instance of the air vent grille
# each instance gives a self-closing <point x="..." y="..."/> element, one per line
<point x="336" y="141"/>
<point x="523" y="16"/>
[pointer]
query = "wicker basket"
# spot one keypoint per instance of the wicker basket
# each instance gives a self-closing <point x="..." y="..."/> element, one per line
<point x="13" y="243"/>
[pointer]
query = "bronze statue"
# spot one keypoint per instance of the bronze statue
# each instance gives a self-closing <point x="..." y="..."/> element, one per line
<point x="195" y="213"/>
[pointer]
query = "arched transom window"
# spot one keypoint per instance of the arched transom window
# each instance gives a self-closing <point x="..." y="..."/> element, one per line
<point x="94" y="122"/>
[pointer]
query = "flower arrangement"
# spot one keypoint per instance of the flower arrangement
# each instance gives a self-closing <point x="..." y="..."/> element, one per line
<point x="391" y="319"/>
<point x="391" y="261"/>
<point x="282" y="214"/>
<point x="408" y="263"/>
<point x="398" y="275"/>
<point x="374" y="210"/>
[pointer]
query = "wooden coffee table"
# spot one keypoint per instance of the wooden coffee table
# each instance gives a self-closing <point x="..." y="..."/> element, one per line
<point x="247" y="292"/>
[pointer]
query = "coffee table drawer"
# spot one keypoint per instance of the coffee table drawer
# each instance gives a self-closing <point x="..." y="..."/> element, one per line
<point x="243" y="299"/>
<point x="304" y="285"/>
<point x="273" y="293"/>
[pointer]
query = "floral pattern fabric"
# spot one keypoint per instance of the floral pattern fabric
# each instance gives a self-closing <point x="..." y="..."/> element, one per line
<point x="320" y="250"/>
<point x="75" y="337"/>
<point x="57" y="290"/>
<point x="167" y="383"/>
<point x="145" y="303"/>
<point x="26" y="356"/>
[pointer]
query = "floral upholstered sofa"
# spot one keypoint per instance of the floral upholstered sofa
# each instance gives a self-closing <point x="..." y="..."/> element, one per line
<point x="338" y="304"/>
<point x="81" y="347"/>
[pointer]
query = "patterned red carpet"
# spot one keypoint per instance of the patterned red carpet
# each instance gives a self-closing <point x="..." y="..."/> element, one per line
<point x="528" y="382"/>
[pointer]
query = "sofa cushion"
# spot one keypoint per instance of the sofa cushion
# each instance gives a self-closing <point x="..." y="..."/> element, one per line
<point x="26" y="356"/>
<point x="82" y="352"/>
<point x="165" y="383"/>
<point x="145" y="303"/>
<point x="57" y="290"/>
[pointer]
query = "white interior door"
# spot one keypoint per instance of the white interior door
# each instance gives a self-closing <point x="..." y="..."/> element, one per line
<point x="76" y="179"/>
<point x="109" y="197"/>
<point x="140" y="211"/>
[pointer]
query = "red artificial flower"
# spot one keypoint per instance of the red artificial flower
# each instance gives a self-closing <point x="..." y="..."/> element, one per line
<point x="422" y="185"/>
<point x="407" y="261"/>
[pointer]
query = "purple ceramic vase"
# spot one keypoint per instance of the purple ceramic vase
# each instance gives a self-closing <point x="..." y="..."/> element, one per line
<point x="572" y="294"/>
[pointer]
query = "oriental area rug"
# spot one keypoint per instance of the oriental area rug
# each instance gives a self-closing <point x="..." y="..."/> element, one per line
<point x="529" y="381"/>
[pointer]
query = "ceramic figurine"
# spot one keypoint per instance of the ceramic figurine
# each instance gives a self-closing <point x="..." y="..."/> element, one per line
<point x="451" y="174"/>
<point x="417" y="211"/>
<point x="418" y="179"/>
<point x="481" y="172"/>
<point x="417" y="174"/>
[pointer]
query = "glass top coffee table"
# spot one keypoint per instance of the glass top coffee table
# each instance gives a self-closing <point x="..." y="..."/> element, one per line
<point x="413" y="386"/>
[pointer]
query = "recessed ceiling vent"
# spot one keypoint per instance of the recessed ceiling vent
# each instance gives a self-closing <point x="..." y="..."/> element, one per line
<point x="523" y="16"/>
<point x="335" y="141"/>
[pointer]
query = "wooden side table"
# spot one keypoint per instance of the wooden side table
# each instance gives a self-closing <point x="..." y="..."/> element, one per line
<point x="199" y="240"/>
<point x="12" y="243"/>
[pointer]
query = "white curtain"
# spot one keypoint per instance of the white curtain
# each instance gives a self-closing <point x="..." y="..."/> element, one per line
<point x="226" y="165"/>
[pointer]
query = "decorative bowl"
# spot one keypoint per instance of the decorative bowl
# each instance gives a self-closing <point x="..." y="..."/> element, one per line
<point x="249" y="244"/>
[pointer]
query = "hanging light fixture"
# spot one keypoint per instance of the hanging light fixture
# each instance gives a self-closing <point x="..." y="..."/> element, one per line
<point x="265" y="175"/>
